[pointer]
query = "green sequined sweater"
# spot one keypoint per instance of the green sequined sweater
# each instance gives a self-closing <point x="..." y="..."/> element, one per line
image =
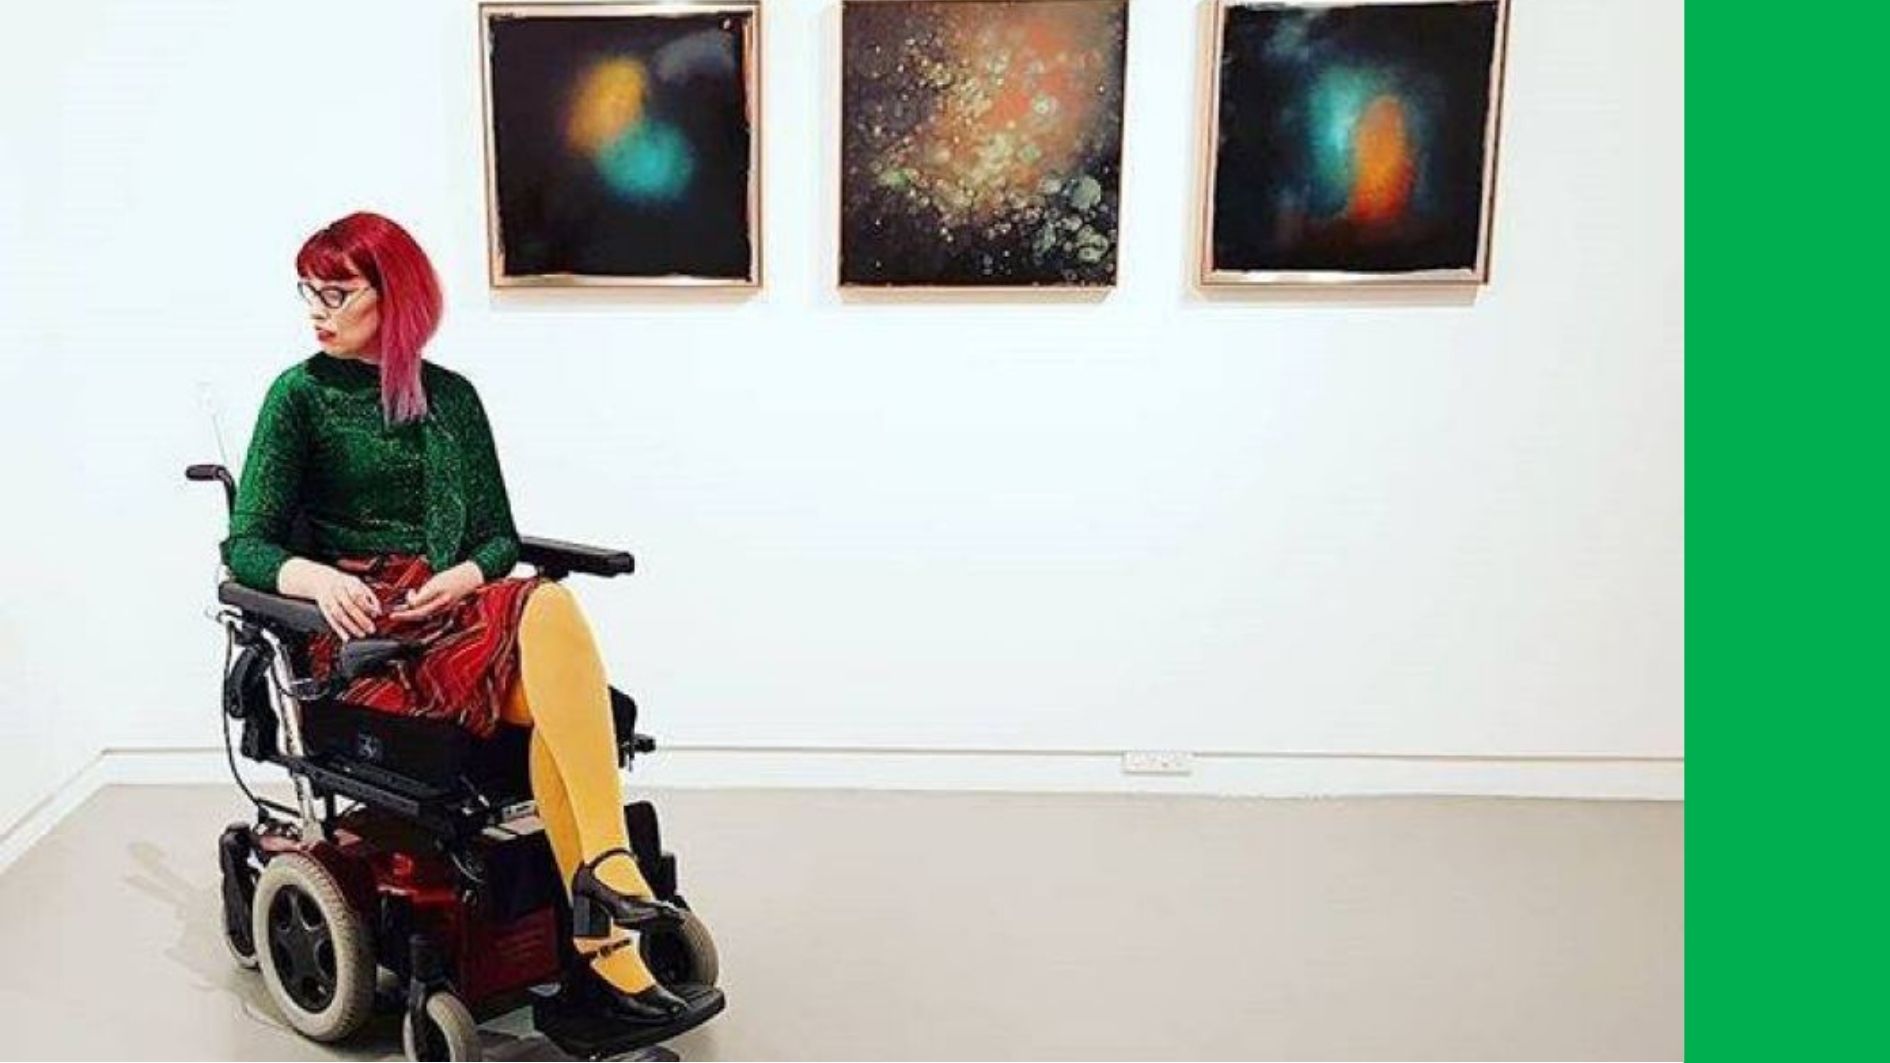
<point x="323" y="448"/>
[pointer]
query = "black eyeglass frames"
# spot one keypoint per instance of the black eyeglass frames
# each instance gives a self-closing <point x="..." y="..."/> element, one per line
<point x="332" y="296"/>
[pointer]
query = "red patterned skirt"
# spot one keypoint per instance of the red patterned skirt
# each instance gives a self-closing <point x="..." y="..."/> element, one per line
<point x="469" y="658"/>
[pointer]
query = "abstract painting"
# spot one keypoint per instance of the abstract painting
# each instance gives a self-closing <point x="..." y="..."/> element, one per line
<point x="621" y="143"/>
<point x="1353" y="142"/>
<point x="981" y="142"/>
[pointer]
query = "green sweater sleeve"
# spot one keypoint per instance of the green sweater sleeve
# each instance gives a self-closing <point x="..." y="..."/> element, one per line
<point x="489" y="529"/>
<point x="270" y="490"/>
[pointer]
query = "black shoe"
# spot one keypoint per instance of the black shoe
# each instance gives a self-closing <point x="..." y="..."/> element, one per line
<point x="594" y="906"/>
<point x="652" y="1005"/>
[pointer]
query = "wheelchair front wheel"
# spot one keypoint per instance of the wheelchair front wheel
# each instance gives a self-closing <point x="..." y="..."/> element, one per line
<point x="450" y="1032"/>
<point x="683" y="956"/>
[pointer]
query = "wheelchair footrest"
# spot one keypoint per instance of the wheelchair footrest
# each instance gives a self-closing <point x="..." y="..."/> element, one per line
<point x="582" y="1029"/>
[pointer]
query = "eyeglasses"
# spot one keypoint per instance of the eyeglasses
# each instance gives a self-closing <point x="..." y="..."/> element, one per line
<point x="332" y="296"/>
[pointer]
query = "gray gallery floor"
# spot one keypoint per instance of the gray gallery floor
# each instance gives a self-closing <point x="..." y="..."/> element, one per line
<point x="872" y="925"/>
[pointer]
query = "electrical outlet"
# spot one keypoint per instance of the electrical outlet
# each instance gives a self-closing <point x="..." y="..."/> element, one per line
<point x="1157" y="763"/>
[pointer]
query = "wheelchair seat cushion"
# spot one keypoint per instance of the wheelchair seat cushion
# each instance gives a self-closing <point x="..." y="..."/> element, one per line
<point x="468" y="659"/>
<point x="429" y="758"/>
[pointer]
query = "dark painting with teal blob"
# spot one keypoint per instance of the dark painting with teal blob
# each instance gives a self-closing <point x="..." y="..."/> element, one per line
<point x="981" y="142"/>
<point x="1352" y="138"/>
<point x="622" y="146"/>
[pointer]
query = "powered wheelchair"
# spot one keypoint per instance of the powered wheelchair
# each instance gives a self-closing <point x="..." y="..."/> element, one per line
<point x="411" y="849"/>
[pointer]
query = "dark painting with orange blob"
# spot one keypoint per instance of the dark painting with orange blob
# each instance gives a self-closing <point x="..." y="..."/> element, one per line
<point x="622" y="147"/>
<point x="981" y="142"/>
<point x="1354" y="141"/>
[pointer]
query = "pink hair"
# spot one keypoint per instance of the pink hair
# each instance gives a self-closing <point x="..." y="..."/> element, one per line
<point x="379" y="250"/>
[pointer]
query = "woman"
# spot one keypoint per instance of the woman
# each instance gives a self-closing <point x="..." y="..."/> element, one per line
<point x="390" y="463"/>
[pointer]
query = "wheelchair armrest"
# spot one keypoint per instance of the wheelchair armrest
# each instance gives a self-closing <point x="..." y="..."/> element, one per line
<point x="358" y="657"/>
<point x="296" y="614"/>
<point x="555" y="558"/>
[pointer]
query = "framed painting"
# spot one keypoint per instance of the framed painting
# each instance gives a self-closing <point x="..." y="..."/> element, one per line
<point x="1352" y="142"/>
<point x="981" y="142"/>
<point x="622" y="143"/>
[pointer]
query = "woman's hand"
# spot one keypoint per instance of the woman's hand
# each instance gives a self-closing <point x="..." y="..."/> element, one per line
<point x="348" y="604"/>
<point x="442" y="590"/>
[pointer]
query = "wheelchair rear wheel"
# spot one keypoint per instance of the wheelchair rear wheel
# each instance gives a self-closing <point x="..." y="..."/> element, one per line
<point x="242" y="950"/>
<point x="235" y="859"/>
<point x="313" y="949"/>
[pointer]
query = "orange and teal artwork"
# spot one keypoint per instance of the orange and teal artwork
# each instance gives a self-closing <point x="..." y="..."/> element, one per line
<point x="981" y="142"/>
<point x="622" y="143"/>
<point x="1354" y="141"/>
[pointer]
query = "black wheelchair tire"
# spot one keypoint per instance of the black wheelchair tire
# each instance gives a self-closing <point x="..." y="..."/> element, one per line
<point x="243" y="952"/>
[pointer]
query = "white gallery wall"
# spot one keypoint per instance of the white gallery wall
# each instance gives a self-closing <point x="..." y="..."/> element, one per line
<point x="48" y="730"/>
<point x="1441" y="527"/>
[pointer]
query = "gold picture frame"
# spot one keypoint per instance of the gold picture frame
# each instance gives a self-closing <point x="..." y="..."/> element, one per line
<point x="855" y="288"/>
<point x="1210" y="274"/>
<point x="490" y="14"/>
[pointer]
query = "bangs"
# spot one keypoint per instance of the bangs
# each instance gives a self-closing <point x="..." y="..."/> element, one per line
<point x="324" y="258"/>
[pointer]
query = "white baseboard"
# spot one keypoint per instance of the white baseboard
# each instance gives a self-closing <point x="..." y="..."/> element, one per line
<point x="1218" y="774"/>
<point x="35" y="822"/>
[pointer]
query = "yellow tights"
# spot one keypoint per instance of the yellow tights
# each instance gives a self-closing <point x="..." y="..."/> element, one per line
<point x="563" y="696"/>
